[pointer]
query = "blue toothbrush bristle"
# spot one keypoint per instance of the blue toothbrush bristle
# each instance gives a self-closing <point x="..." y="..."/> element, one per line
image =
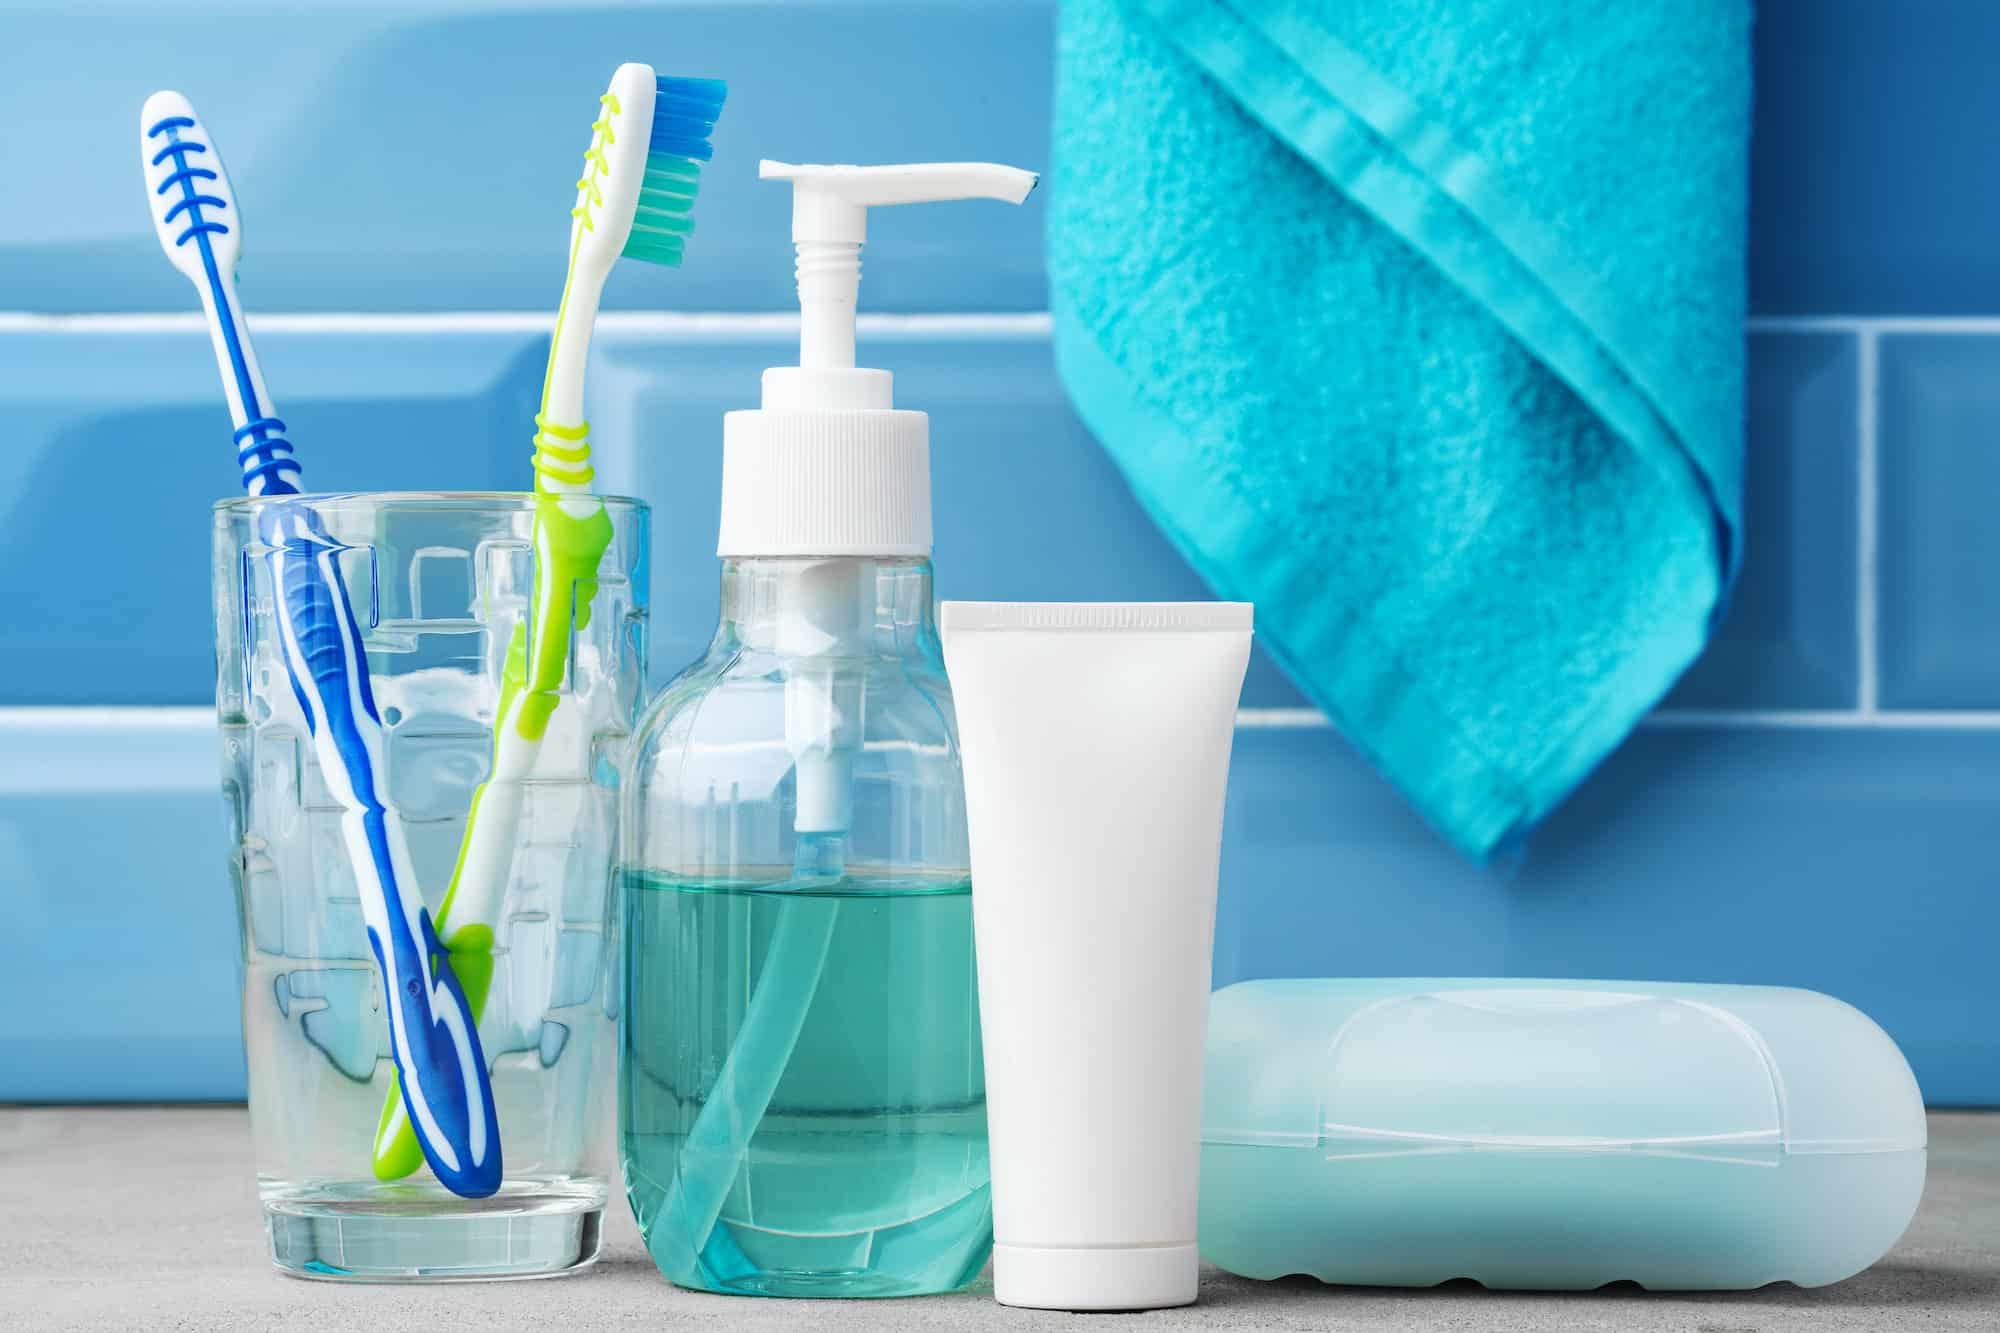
<point x="684" y="115"/>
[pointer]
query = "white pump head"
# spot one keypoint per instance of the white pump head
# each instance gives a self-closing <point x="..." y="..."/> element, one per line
<point x="830" y="224"/>
<point x="829" y="469"/>
<point x="828" y="466"/>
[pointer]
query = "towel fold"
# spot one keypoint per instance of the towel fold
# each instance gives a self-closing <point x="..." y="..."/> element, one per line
<point x="1419" y="324"/>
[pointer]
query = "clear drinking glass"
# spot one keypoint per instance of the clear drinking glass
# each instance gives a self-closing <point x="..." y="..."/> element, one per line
<point x="438" y="584"/>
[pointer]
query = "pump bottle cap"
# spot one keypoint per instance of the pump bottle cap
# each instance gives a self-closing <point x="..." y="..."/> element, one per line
<point x="828" y="465"/>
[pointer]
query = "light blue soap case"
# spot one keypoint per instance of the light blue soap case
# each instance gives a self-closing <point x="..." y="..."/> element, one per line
<point x="1553" y="1134"/>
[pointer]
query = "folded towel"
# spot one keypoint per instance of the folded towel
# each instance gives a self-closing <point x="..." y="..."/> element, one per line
<point x="1419" y="324"/>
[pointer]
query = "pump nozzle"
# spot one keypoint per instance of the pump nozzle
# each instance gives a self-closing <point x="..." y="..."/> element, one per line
<point x="830" y="222"/>
<point x="831" y="203"/>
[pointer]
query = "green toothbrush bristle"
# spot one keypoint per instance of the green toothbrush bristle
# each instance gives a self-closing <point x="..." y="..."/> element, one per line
<point x="684" y="115"/>
<point x="654" y="247"/>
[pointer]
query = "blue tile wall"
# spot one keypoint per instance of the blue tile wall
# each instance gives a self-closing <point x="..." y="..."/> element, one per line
<point x="1832" y="859"/>
<point x="1828" y="859"/>
<point x="410" y="162"/>
<point x="1871" y="187"/>
<point x="1940" y="492"/>
<point x="1788" y="640"/>
<point x="1818" y="805"/>
<point x="367" y="411"/>
<point x="1026" y="504"/>
<point x="1871" y="181"/>
<point x="122" y="975"/>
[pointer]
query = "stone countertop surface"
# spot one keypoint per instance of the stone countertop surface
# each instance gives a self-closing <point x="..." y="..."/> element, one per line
<point x="146" y="1218"/>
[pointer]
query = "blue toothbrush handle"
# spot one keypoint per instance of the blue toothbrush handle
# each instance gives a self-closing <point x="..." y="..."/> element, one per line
<point x="434" y="1039"/>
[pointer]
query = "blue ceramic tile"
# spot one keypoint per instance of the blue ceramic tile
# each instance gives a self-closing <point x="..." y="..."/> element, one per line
<point x="1026" y="506"/>
<point x="422" y="156"/>
<point x="1939" y="556"/>
<point x="1871" y="165"/>
<point x="1327" y="871"/>
<point x="1856" y="862"/>
<point x="1789" y="638"/>
<point x="112" y="857"/>
<point x="118" y="443"/>
<point x="412" y="157"/>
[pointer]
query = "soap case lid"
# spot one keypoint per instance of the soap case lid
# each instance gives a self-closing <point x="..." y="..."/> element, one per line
<point x="1371" y="1067"/>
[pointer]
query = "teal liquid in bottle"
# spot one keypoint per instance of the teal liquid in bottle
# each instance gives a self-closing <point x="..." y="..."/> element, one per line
<point x="866" y="1174"/>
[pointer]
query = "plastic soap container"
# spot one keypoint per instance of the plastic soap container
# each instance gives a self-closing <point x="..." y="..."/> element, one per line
<point x="1553" y="1134"/>
<point x="802" y="1097"/>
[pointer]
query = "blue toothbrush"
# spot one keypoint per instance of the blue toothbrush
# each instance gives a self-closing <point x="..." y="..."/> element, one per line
<point x="432" y="1036"/>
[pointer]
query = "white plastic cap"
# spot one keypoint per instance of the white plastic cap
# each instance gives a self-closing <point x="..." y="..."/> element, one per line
<point x="828" y="465"/>
<point x="1150" y="1277"/>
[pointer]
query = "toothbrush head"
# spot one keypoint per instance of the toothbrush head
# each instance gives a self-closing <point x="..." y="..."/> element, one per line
<point x="194" y="214"/>
<point x="643" y="166"/>
<point x="187" y="190"/>
<point x="684" y="115"/>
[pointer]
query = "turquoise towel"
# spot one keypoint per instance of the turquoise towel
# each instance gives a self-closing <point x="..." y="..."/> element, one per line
<point x="1419" y="324"/>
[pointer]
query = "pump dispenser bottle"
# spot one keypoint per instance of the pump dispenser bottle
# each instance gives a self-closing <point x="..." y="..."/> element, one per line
<point x="802" y="1100"/>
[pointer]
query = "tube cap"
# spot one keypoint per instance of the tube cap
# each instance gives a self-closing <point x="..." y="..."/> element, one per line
<point x="1150" y="1277"/>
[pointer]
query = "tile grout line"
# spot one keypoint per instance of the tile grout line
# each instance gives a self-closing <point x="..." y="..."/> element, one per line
<point x="1828" y="719"/>
<point x="771" y="323"/>
<point x="1867" y="525"/>
<point x="153" y="719"/>
<point x="753" y="325"/>
<point x="1858" y="324"/>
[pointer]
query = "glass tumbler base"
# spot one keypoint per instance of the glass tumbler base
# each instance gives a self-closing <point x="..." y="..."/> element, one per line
<point x="516" y="1234"/>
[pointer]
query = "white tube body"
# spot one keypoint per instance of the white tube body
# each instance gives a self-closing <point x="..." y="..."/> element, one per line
<point x="1096" y="743"/>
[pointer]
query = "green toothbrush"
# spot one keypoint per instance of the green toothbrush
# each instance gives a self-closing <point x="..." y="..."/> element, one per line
<point x="640" y="175"/>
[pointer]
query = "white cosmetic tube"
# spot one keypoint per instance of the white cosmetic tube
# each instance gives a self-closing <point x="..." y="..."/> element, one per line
<point x="1096" y="743"/>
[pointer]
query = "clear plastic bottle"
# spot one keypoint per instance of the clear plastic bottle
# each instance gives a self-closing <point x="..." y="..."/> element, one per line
<point x="802" y="1098"/>
<point x="802" y="1090"/>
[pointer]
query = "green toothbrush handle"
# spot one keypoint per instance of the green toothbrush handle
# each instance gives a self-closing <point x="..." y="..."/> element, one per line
<point x="568" y="550"/>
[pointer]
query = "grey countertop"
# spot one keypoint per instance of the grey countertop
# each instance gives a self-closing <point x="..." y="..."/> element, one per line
<point x="146" y="1218"/>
